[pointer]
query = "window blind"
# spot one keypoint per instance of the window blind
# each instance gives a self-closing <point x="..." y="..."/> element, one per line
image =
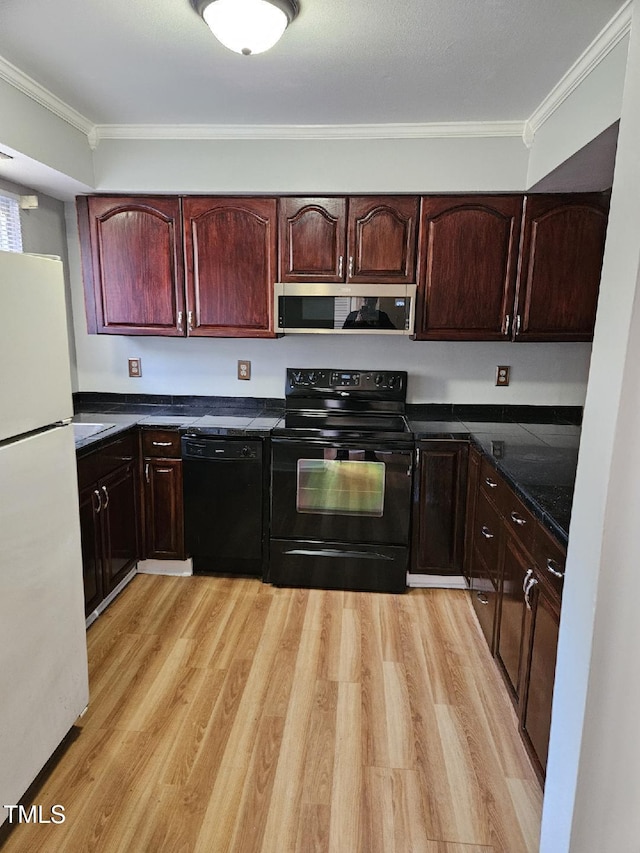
<point x="10" y="228"/>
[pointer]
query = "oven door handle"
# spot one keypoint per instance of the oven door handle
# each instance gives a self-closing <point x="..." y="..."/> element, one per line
<point x="334" y="553"/>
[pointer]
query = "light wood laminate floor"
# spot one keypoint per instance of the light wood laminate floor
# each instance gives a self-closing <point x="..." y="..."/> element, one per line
<point x="228" y="715"/>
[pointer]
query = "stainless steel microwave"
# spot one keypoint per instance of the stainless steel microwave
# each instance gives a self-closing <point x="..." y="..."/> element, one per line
<point x="357" y="309"/>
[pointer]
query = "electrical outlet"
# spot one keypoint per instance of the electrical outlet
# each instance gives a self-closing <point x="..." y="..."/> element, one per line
<point x="135" y="367"/>
<point x="244" y="370"/>
<point x="502" y="374"/>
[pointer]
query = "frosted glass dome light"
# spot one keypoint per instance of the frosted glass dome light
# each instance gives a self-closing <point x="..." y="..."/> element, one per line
<point x="247" y="26"/>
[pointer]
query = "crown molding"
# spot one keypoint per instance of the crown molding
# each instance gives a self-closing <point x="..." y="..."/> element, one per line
<point x="25" y="84"/>
<point x="311" y="131"/>
<point x="610" y="36"/>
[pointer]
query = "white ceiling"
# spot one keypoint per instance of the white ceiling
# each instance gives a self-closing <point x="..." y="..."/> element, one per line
<point x="341" y="62"/>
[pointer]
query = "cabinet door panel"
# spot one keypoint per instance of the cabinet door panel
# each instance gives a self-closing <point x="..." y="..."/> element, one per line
<point x="382" y="235"/>
<point x="469" y="256"/>
<point x="510" y="642"/>
<point x="484" y="598"/>
<point x="312" y="239"/>
<point x="439" y="508"/>
<point x="231" y="264"/>
<point x="562" y="251"/>
<point x="163" y="509"/>
<point x="91" y="549"/>
<point x="120" y="523"/>
<point x="536" y="711"/>
<point x="132" y="264"/>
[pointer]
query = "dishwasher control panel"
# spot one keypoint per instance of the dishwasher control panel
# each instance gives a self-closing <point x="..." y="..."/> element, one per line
<point x="203" y="447"/>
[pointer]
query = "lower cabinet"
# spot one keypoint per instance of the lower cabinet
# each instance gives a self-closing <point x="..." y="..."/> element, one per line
<point x="108" y="486"/>
<point x="515" y="571"/>
<point x="439" y="503"/>
<point x="162" y="495"/>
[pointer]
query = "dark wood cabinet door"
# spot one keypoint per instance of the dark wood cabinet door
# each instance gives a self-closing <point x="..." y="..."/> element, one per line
<point x="381" y="239"/>
<point x="230" y="246"/>
<point x="468" y="265"/>
<point x="473" y="475"/>
<point x="132" y="264"/>
<point x="164" y="522"/>
<point x="91" y="541"/>
<point x="439" y="508"/>
<point x="511" y="632"/>
<point x="484" y="598"/>
<point x="119" y="523"/>
<point x="312" y="234"/>
<point x="561" y="261"/>
<point x="540" y="672"/>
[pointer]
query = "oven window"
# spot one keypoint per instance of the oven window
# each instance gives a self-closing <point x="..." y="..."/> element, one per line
<point x="340" y="487"/>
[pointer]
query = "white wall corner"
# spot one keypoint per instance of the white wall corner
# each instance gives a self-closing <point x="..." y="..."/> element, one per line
<point x="610" y="36"/>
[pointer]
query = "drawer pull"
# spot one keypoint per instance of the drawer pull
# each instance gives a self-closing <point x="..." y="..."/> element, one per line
<point x="518" y="519"/>
<point x="486" y="532"/>
<point x="482" y="597"/>
<point x="491" y="483"/>
<point x="532" y="582"/>
<point x="553" y="568"/>
<point x="162" y="443"/>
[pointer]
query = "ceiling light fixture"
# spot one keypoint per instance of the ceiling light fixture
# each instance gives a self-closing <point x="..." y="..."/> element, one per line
<point x="247" y="26"/>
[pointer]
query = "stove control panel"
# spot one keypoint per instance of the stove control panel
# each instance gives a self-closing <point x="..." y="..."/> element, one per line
<point x="349" y="380"/>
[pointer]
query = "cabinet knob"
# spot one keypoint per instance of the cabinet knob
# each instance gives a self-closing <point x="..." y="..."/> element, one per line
<point x="491" y="483"/>
<point x="486" y="532"/>
<point x="518" y="519"/>
<point x="482" y="597"/>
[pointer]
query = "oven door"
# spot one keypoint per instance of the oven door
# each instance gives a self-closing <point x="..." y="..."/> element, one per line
<point x="334" y="491"/>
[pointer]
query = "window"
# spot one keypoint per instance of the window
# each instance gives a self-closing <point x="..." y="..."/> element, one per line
<point x="10" y="228"/>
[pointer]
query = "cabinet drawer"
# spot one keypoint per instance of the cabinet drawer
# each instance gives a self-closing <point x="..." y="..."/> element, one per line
<point x="550" y="557"/>
<point x="486" y="539"/>
<point x="518" y="520"/>
<point x="106" y="459"/>
<point x="161" y="442"/>
<point x="492" y="483"/>
<point x="484" y="598"/>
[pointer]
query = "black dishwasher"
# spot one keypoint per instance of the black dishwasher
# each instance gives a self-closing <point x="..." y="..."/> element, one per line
<point x="223" y="504"/>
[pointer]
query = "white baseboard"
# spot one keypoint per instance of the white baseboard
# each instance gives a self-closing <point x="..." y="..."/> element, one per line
<point x="178" y="568"/>
<point x="436" y="581"/>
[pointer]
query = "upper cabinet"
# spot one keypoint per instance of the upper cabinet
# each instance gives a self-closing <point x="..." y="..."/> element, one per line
<point x="561" y="260"/>
<point x="132" y="264"/>
<point x="359" y="239"/>
<point x="510" y="268"/>
<point x="230" y="249"/>
<point x="137" y="282"/>
<point x="468" y="266"/>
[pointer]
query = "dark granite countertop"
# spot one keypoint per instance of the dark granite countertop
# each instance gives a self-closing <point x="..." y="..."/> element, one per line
<point x="535" y="448"/>
<point x="537" y="455"/>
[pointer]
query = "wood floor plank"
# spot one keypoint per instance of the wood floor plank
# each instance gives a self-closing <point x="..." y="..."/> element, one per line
<point x="228" y="715"/>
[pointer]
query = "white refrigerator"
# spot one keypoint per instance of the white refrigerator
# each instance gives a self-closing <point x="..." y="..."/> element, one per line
<point x="43" y="652"/>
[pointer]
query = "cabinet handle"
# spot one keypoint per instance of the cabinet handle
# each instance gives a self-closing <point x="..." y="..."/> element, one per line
<point x="507" y="322"/>
<point x="106" y="497"/>
<point x="482" y="597"/>
<point x="491" y="483"/>
<point x="162" y="443"/>
<point x="518" y="323"/>
<point x="526" y="580"/>
<point x="486" y="532"/>
<point x="146" y="472"/>
<point x="527" y="590"/>
<point x="350" y="266"/>
<point x="97" y="505"/>
<point x="190" y="320"/>
<point x="518" y="519"/>
<point x="163" y="470"/>
<point x="553" y="568"/>
<point x="340" y="266"/>
<point x="180" y="319"/>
